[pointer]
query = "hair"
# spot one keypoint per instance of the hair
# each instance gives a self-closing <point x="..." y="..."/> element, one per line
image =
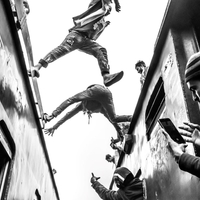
<point x="139" y="63"/>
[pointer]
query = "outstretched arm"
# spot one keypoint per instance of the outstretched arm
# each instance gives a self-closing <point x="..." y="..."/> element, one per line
<point x="102" y="191"/>
<point x="192" y="133"/>
<point x="70" y="114"/>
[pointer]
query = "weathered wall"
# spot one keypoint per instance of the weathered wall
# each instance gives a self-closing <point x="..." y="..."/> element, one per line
<point x="30" y="168"/>
<point x="165" y="181"/>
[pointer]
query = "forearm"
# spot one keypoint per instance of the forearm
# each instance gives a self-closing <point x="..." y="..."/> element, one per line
<point x="104" y="193"/>
<point x="68" y="116"/>
<point x="190" y="163"/>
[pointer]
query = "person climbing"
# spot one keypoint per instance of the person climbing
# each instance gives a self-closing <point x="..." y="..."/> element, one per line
<point x="95" y="99"/>
<point x="88" y="27"/>
<point x="142" y="69"/>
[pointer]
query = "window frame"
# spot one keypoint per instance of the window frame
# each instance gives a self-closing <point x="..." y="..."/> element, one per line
<point x="153" y="111"/>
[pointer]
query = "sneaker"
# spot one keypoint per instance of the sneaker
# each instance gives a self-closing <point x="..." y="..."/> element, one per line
<point x="47" y="118"/>
<point x="34" y="72"/>
<point x="110" y="79"/>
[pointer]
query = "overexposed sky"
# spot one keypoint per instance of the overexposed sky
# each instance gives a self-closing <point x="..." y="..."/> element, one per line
<point x="78" y="148"/>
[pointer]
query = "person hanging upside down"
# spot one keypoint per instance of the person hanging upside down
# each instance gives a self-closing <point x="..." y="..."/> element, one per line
<point x="95" y="99"/>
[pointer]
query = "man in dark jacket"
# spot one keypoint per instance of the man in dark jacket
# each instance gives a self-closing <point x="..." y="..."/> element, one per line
<point x="130" y="187"/>
<point x="186" y="161"/>
<point x="88" y="27"/>
<point x="95" y="99"/>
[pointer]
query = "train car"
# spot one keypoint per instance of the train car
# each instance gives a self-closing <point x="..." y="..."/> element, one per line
<point x="165" y="95"/>
<point x="25" y="168"/>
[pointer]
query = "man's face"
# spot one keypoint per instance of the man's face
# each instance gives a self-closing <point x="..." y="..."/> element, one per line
<point x="194" y="86"/>
<point x="139" y="68"/>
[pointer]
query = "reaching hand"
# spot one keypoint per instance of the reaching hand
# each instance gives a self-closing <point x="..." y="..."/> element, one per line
<point x="192" y="133"/>
<point x="107" y="23"/>
<point x="49" y="131"/>
<point x="113" y="143"/>
<point x="177" y="149"/>
<point x="189" y="127"/>
<point x="94" y="178"/>
<point x="117" y="7"/>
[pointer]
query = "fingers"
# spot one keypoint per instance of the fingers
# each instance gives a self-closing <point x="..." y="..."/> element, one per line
<point x="49" y="131"/>
<point x="188" y="134"/>
<point x="190" y="140"/>
<point x="189" y="129"/>
<point x="192" y="125"/>
<point x="92" y="175"/>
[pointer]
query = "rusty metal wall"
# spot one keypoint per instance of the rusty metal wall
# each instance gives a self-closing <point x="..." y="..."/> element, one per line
<point x="30" y="168"/>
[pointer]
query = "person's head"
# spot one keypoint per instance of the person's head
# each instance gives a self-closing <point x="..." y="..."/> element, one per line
<point x="122" y="177"/>
<point x="26" y="6"/>
<point x="109" y="158"/>
<point x="125" y="127"/>
<point x="192" y="76"/>
<point x="139" y="66"/>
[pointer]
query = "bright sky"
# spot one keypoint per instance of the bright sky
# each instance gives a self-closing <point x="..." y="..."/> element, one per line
<point x="78" y="148"/>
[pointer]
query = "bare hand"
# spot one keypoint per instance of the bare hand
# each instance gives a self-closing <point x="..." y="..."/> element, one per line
<point x="177" y="149"/>
<point x="49" y="131"/>
<point x="189" y="127"/>
<point x="192" y="133"/>
<point x="94" y="178"/>
<point x="113" y="143"/>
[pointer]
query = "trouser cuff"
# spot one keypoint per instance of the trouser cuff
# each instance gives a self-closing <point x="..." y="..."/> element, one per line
<point x="105" y="72"/>
<point x="43" y="63"/>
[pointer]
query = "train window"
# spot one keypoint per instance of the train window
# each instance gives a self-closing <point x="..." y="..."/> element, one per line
<point x="155" y="106"/>
<point x="6" y="155"/>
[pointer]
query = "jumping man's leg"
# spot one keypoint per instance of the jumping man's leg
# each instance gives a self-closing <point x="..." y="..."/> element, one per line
<point x="70" y="43"/>
<point x="100" y="53"/>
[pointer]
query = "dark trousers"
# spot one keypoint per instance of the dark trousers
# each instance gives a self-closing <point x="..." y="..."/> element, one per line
<point x="75" y="40"/>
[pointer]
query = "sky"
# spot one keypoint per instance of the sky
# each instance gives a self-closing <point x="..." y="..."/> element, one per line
<point x="77" y="148"/>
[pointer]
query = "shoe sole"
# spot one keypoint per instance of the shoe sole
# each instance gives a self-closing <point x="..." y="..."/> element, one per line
<point x="36" y="73"/>
<point x="117" y="78"/>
